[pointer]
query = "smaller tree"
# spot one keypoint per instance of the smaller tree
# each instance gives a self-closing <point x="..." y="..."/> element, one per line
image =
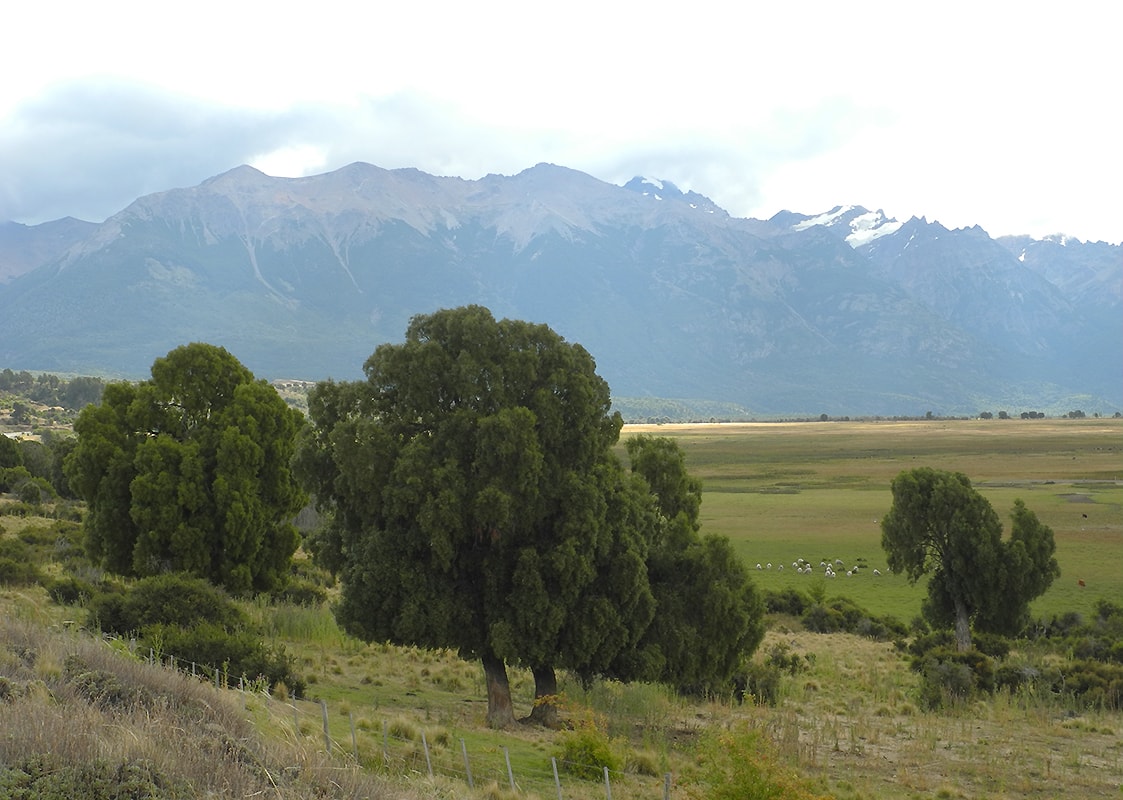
<point x="190" y="471"/>
<point x="939" y="524"/>
<point x="709" y="616"/>
<point x="10" y="455"/>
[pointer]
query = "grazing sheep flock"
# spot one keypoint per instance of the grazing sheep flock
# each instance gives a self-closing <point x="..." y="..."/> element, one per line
<point x="829" y="569"/>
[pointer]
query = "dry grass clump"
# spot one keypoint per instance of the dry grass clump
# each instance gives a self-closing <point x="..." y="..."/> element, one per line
<point x="82" y="720"/>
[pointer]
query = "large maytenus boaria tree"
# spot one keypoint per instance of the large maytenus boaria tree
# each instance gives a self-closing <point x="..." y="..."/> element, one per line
<point x="475" y="502"/>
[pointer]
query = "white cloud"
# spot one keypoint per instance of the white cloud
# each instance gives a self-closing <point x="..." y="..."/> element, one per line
<point x="998" y="114"/>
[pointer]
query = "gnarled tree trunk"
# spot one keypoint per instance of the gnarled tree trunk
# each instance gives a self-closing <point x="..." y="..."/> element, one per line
<point x="500" y="710"/>
<point x="545" y="711"/>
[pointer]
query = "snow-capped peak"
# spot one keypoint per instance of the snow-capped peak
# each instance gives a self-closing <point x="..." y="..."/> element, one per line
<point x="864" y="226"/>
<point x="828" y="219"/>
<point x="869" y="226"/>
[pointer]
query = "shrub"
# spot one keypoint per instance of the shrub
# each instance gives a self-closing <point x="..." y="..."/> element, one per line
<point x="761" y="682"/>
<point x="70" y="591"/>
<point x="301" y="592"/>
<point x="586" y="751"/>
<point x="738" y="764"/>
<point x="103" y="688"/>
<point x="843" y="614"/>
<point x="821" y="619"/>
<point x="991" y="644"/>
<point x="238" y="654"/>
<point x="1094" y="684"/>
<point x="786" y="601"/>
<point x="949" y="677"/>
<point x="11" y="477"/>
<point x="1013" y="677"/>
<point x="171" y="599"/>
<point x="45" y="777"/>
<point x="18" y="573"/>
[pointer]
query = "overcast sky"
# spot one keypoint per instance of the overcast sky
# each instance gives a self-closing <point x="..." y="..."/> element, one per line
<point x="1002" y="114"/>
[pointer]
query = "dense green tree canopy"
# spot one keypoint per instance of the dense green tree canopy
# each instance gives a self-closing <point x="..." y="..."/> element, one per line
<point x="190" y="471"/>
<point x="471" y="481"/>
<point x="709" y="616"/>
<point x="476" y="503"/>
<point x="940" y="524"/>
<point x="9" y="452"/>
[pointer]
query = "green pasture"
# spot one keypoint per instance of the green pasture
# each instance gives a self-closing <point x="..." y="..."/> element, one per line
<point x="817" y="491"/>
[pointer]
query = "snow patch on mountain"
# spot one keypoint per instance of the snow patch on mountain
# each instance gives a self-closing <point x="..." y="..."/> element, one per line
<point x="864" y="226"/>
<point x="872" y="225"/>
<point x="827" y="220"/>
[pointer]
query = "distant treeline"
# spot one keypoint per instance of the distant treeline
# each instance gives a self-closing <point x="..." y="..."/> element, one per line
<point x="51" y="390"/>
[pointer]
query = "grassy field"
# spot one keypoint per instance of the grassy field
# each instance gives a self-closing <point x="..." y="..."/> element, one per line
<point x="850" y="724"/>
<point x="784" y="491"/>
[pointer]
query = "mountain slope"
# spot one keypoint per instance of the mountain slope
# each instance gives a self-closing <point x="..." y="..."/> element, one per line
<point x="845" y="312"/>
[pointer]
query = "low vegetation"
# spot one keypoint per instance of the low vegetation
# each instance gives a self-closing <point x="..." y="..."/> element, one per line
<point x="850" y="695"/>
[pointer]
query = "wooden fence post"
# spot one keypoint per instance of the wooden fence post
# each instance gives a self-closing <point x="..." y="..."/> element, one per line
<point x="557" y="781"/>
<point x="327" y="735"/>
<point x="385" y="742"/>
<point x="425" y="747"/>
<point x="354" y="738"/>
<point x="467" y="767"/>
<point x="667" y="786"/>
<point x="607" y="786"/>
<point x="510" y="774"/>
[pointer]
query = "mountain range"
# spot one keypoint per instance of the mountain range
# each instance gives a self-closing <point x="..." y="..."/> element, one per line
<point x="684" y="306"/>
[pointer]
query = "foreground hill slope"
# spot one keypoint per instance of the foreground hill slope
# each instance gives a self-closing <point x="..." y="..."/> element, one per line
<point x="843" y="313"/>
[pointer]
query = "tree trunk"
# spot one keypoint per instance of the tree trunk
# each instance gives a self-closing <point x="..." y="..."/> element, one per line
<point x="500" y="710"/>
<point x="962" y="627"/>
<point x="545" y="711"/>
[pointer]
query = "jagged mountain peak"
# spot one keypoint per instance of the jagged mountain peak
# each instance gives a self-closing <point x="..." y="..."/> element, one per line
<point x="659" y="189"/>
<point x="305" y="276"/>
<point x="856" y="224"/>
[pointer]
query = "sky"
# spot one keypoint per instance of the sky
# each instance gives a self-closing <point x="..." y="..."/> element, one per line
<point x="1000" y="114"/>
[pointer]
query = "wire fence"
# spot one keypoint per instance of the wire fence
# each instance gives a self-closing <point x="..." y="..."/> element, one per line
<point x="399" y="748"/>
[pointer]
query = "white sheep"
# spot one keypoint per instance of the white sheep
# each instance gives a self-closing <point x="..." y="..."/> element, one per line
<point x="877" y="572"/>
<point x="758" y="566"/>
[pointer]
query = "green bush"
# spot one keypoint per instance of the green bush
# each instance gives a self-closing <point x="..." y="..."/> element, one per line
<point x="172" y="599"/>
<point x="760" y="683"/>
<point x="823" y="619"/>
<point x="237" y="654"/>
<point x="70" y="591"/>
<point x="18" y="573"/>
<point x="1092" y="683"/>
<point x="44" y="777"/>
<point x="301" y="592"/>
<point x="739" y="764"/>
<point x="843" y="614"/>
<point x="1016" y="677"/>
<point x="586" y="751"/>
<point x="786" y="601"/>
<point x="11" y="477"/>
<point x="949" y="677"/>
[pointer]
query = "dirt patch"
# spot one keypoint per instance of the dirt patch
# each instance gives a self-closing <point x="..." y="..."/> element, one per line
<point x="1077" y="498"/>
